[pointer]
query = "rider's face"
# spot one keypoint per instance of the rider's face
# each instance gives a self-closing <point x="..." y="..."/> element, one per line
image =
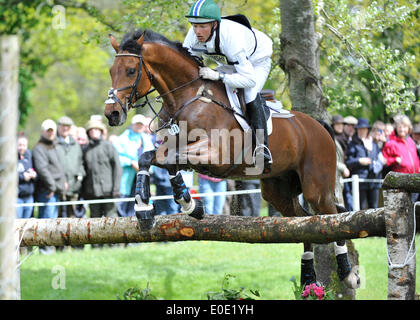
<point x="202" y="30"/>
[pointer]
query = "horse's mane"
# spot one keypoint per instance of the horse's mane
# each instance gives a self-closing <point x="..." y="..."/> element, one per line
<point x="129" y="43"/>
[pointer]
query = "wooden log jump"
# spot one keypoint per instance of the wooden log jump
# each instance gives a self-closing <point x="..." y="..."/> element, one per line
<point x="400" y="232"/>
<point x="178" y="227"/>
<point x="395" y="222"/>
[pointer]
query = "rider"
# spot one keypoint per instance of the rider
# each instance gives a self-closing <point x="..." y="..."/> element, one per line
<point x="243" y="56"/>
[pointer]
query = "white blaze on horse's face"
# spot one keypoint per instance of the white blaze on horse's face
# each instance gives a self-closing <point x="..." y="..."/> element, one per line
<point x="123" y="73"/>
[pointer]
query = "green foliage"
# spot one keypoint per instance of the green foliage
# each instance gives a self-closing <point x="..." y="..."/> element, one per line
<point x="369" y="51"/>
<point x="364" y="68"/>
<point x="186" y="269"/>
<point x="231" y="294"/>
<point x="138" y="294"/>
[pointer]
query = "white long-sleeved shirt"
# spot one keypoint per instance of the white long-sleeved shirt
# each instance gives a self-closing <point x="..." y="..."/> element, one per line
<point x="237" y="44"/>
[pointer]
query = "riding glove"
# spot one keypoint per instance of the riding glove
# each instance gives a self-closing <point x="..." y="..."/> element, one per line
<point x="207" y="73"/>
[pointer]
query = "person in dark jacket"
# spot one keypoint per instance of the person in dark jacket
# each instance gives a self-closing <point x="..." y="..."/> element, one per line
<point x="365" y="159"/>
<point x="71" y="158"/>
<point x="26" y="177"/>
<point x="103" y="171"/>
<point x="51" y="178"/>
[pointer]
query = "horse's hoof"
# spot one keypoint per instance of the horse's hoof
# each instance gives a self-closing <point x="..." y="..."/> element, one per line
<point x="147" y="224"/>
<point x="198" y="211"/>
<point x="352" y="280"/>
<point x="146" y="218"/>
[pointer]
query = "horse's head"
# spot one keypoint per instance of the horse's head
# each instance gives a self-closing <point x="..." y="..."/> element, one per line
<point x="131" y="79"/>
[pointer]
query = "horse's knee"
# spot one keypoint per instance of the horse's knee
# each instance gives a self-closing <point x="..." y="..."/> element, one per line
<point x="145" y="160"/>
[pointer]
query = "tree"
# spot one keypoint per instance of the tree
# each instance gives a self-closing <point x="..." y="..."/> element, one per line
<point x="369" y="57"/>
<point x="300" y="61"/>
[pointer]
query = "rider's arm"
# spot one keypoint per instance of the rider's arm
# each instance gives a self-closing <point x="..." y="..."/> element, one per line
<point x="244" y="77"/>
<point x="234" y="43"/>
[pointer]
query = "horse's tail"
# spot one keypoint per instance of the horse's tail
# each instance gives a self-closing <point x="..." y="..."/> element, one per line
<point x="340" y="208"/>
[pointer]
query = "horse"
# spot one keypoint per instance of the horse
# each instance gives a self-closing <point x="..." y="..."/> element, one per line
<point x="303" y="151"/>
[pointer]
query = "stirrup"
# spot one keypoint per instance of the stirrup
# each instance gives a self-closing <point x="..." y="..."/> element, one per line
<point x="264" y="148"/>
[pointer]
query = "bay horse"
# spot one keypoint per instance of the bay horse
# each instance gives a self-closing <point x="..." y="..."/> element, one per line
<point x="303" y="152"/>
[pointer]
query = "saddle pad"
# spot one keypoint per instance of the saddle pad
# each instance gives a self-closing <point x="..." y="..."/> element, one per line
<point x="275" y="107"/>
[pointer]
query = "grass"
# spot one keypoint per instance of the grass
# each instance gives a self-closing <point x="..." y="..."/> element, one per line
<point x="187" y="270"/>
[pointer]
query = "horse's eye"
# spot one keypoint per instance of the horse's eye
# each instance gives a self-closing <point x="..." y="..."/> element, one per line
<point x="131" y="71"/>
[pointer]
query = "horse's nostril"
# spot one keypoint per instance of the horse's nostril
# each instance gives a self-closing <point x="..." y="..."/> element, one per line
<point x="114" y="115"/>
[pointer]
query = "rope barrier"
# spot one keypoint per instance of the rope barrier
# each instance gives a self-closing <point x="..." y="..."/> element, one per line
<point x="408" y="258"/>
<point x="165" y="197"/>
<point x="153" y="198"/>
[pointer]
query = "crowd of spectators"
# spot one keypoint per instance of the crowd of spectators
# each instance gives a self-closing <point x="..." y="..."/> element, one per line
<point x="371" y="151"/>
<point x="83" y="163"/>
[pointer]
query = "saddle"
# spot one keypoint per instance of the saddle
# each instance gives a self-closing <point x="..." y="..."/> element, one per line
<point x="272" y="109"/>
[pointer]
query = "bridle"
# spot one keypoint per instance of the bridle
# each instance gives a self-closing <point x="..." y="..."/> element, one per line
<point x="113" y="98"/>
<point x="171" y="122"/>
<point x="112" y="93"/>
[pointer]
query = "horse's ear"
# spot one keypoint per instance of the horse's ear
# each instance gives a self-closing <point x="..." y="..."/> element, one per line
<point x="141" y="39"/>
<point x="114" y="43"/>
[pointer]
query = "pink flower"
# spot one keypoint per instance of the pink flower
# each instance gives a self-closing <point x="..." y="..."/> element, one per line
<point x="312" y="289"/>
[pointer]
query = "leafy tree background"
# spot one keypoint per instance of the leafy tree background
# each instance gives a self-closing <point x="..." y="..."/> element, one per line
<point x="369" y="58"/>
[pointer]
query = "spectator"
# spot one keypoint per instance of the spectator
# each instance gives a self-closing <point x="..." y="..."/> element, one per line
<point x="389" y="128"/>
<point x="247" y="204"/>
<point x="51" y="178"/>
<point x="98" y="117"/>
<point x="128" y="145"/>
<point x="378" y="133"/>
<point x="113" y="138"/>
<point x="71" y="158"/>
<point x="400" y="151"/>
<point x="82" y="138"/>
<point x="338" y="127"/>
<point x="364" y="159"/>
<point x="206" y="184"/>
<point x="349" y="127"/>
<point x="27" y="175"/>
<point x="341" y="172"/>
<point x="416" y="137"/>
<point x="103" y="171"/>
<point x="160" y="177"/>
<point x="349" y="123"/>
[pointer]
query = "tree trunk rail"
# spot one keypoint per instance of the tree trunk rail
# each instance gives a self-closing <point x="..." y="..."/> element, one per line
<point x="402" y="181"/>
<point x="179" y="227"/>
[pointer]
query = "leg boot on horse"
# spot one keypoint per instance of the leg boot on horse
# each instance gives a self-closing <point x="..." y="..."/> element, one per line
<point x="192" y="207"/>
<point x="145" y="212"/>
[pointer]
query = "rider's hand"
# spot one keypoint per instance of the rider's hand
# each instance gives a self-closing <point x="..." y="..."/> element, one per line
<point x="207" y="73"/>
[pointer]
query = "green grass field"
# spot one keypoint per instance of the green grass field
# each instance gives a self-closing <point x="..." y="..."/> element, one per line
<point x="187" y="270"/>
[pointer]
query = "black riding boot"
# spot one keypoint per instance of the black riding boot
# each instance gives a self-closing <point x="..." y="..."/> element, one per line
<point x="255" y="111"/>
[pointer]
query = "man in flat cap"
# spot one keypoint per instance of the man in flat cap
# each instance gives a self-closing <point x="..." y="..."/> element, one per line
<point x="71" y="158"/>
<point x="50" y="184"/>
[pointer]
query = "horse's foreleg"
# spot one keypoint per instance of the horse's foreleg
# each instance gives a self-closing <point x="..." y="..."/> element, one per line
<point x="145" y="212"/>
<point x="182" y="196"/>
<point x="344" y="270"/>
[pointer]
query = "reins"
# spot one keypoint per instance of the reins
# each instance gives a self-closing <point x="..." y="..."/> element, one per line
<point x="171" y="123"/>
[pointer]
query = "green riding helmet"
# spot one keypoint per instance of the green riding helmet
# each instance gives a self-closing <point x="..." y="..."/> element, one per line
<point x="204" y="11"/>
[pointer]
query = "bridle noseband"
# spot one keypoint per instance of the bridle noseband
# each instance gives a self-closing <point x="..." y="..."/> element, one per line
<point x="112" y="93"/>
<point x="113" y="98"/>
